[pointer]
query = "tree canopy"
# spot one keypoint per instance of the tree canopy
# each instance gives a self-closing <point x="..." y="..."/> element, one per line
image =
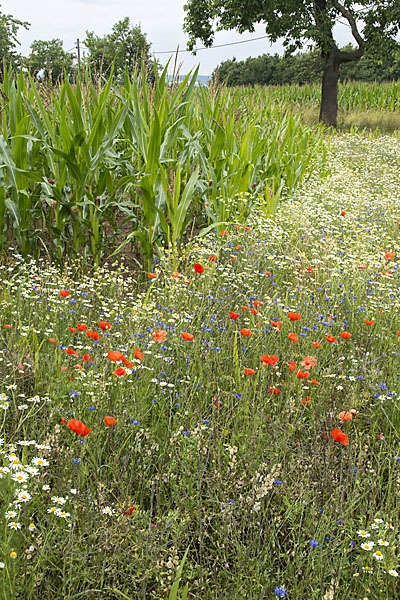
<point x="126" y="45"/>
<point x="8" y="40"/>
<point x="48" y="60"/>
<point x="374" y="25"/>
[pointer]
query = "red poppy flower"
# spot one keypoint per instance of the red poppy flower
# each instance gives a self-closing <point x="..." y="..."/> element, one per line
<point x="246" y="332"/>
<point x="292" y="366"/>
<point x="269" y="360"/>
<point x="340" y="437"/>
<point x="8" y="326"/>
<point x="177" y="275"/>
<point x="293" y="337"/>
<point x="309" y="362"/>
<point x="330" y="338"/>
<point x="314" y="382"/>
<point x="369" y="322"/>
<point x="187" y="336"/>
<point x="316" y="344"/>
<point x="95" y="336"/>
<point x="129" y="511"/>
<point x="64" y="368"/>
<point x="247" y="228"/>
<point x="345" y="335"/>
<point x="293" y="316"/>
<point x="110" y="421"/>
<point x="104" y="325"/>
<point x="137" y="354"/>
<point x="72" y="329"/>
<point x="363" y="267"/>
<point x="78" y="367"/>
<point x="151" y="275"/>
<point x="213" y="258"/>
<point x="120" y="372"/>
<point x="345" y="416"/>
<point x="198" y="268"/>
<point x="306" y="401"/>
<point x="390" y="255"/>
<point x="52" y="340"/>
<point x="81" y="327"/>
<point x="78" y="427"/>
<point x="343" y="213"/>
<point x="254" y="311"/>
<point x="89" y="332"/>
<point x="268" y="273"/>
<point x="224" y="232"/>
<point x="249" y="371"/>
<point x="275" y="391"/>
<point x="115" y="355"/>
<point x="64" y="293"/>
<point x="257" y="303"/>
<point x="87" y="357"/>
<point x="71" y="352"/>
<point x="159" y="336"/>
<point x="245" y="308"/>
<point x="277" y="324"/>
<point x="233" y="315"/>
<point x="310" y="269"/>
<point x="126" y="362"/>
<point x="302" y="374"/>
<point x="238" y="247"/>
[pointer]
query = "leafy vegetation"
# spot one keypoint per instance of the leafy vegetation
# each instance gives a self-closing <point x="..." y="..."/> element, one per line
<point x="88" y="169"/>
<point x="227" y="427"/>
<point x="306" y="67"/>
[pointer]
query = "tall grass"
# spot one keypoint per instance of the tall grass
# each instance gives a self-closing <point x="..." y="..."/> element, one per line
<point x="88" y="169"/>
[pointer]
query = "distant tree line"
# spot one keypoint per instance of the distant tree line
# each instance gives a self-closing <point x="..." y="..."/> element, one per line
<point x="126" y="47"/>
<point x="302" y="68"/>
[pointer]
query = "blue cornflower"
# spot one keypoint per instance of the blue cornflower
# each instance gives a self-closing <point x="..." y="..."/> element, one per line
<point x="314" y="543"/>
<point x="280" y="591"/>
<point x="76" y="461"/>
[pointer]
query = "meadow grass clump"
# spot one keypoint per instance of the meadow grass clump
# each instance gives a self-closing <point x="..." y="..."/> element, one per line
<point x="228" y="420"/>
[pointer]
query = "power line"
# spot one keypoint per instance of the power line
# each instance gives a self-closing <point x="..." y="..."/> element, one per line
<point x="211" y="47"/>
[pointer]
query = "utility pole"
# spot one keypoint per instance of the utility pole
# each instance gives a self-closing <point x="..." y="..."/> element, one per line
<point x="79" y="52"/>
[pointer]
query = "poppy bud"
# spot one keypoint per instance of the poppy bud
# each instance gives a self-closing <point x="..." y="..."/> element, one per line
<point x="210" y="182"/>
<point x="51" y="181"/>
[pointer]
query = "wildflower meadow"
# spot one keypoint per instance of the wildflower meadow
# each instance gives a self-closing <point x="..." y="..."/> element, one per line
<point x="223" y="423"/>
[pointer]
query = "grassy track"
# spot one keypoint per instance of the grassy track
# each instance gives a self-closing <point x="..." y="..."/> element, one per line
<point x="215" y="451"/>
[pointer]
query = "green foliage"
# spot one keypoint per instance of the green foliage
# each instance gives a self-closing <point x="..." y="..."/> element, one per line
<point x="143" y="159"/>
<point x="296" y="21"/>
<point x="8" y="40"/>
<point x="303" y="68"/>
<point x="49" y="61"/>
<point x="125" y="48"/>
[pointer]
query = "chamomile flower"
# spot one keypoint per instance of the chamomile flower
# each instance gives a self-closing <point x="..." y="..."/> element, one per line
<point x="31" y="526"/>
<point x="10" y="514"/>
<point x="378" y="555"/>
<point x="22" y="496"/>
<point x="383" y="543"/>
<point x="40" y="462"/>
<point x="20" y="476"/>
<point x="367" y="545"/>
<point x="14" y="525"/>
<point x="393" y="573"/>
<point x="107" y="511"/>
<point x="363" y="533"/>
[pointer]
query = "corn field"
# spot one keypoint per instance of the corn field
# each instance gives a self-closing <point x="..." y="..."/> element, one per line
<point x="352" y="95"/>
<point x="89" y="168"/>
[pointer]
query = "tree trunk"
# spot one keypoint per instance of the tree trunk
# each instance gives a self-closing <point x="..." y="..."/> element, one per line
<point x="329" y="96"/>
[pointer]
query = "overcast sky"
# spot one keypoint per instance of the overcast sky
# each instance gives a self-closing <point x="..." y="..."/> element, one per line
<point x="161" y="20"/>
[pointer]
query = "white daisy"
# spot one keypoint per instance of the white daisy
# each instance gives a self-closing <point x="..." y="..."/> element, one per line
<point x="367" y="545"/>
<point x="363" y="533"/>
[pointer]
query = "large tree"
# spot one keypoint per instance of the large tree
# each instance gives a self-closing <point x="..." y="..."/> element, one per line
<point x="374" y="26"/>
<point x="126" y="46"/>
<point x="48" y="60"/>
<point x="8" y="40"/>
